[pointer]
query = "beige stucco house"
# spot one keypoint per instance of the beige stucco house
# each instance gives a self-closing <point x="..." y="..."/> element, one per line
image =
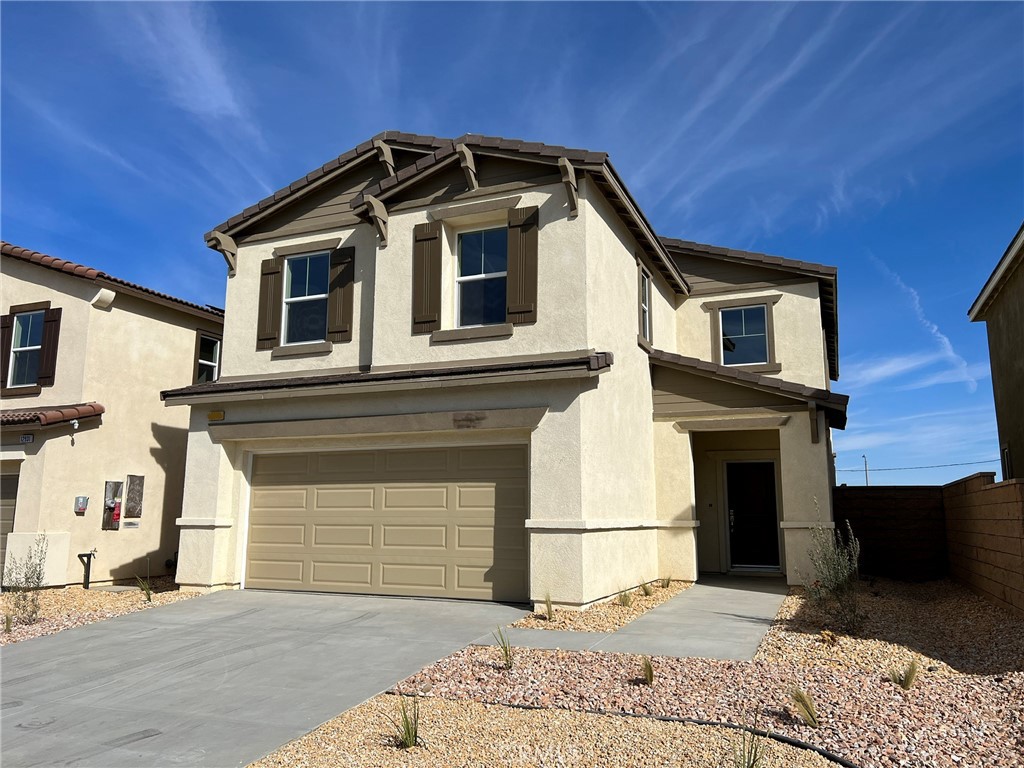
<point x="470" y="368"/>
<point x="84" y="357"/>
<point x="1001" y="306"/>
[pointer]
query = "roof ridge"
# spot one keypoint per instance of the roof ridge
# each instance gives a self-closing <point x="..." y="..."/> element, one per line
<point x="766" y="258"/>
<point x="91" y="273"/>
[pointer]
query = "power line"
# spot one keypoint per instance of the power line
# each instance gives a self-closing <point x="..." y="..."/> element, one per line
<point x="930" y="466"/>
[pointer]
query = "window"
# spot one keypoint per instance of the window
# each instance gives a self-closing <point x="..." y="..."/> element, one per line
<point x="207" y="359"/>
<point x="483" y="275"/>
<point x="744" y="335"/>
<point x="645" y="305"/>
<point x="26" y="349"/>
<point x="305" y="298"/>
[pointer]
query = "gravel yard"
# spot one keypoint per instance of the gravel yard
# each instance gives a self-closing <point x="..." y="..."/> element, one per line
<point x="466" y="733"/>
<point x="607" y="616"/>
<point x="967" y="707"/>
<point x="69" y="607"/>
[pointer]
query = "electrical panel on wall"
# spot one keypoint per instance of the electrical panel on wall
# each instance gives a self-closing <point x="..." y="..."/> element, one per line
<point x="133" y="497"/>
<point x="112" y="491"/>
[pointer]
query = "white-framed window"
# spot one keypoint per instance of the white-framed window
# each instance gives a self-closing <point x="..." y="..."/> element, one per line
<point x="744" y="335"/>
<point x="306" y="280"/>
<point x="482" y="278"/>
<point x="207" y="359"/>
<point x="645" y="305"/>
<point x="26" y="349"/>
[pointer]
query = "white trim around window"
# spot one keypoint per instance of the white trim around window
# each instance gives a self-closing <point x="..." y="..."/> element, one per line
<point x="645" y="305"/>
<point x="211" y="364"/>
<point x="26" y="349"/>
<point x="288" y="302"/>
<point x="461" y="280"/>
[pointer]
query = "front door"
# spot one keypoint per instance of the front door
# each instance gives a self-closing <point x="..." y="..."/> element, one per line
<point x="753" y="520"/>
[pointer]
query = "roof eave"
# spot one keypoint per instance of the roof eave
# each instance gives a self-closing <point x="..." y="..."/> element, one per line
<point x="1009" y="261"/>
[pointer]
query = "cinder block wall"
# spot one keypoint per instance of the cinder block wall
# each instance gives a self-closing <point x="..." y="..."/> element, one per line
<point x="985" y="537"/>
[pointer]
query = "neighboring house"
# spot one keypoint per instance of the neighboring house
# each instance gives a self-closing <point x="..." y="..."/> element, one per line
<point x="1001" y="306"/>
<point x="84" y="357"/>
<point x="469" y="368"/>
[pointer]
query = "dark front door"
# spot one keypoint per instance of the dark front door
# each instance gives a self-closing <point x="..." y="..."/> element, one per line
<point x="753" y="523"/>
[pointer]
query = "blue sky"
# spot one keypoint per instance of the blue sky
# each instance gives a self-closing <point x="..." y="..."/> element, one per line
<point x="884" y="138"/>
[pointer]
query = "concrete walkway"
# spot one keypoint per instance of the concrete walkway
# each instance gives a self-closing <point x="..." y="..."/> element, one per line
<point x="719" y="617"/>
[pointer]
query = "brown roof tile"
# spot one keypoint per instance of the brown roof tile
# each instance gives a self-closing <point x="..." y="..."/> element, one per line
<point x="48" y="416"/>
<point x="95" y="275"/>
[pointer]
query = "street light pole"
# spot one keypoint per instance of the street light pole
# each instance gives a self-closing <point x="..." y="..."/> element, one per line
<point x="864" y="456"/>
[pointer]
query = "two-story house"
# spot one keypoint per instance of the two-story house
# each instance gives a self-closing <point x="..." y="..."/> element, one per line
<point x="90" y="459"/>
<point x="1000" y="305"/>
<point x="470" y="368"/>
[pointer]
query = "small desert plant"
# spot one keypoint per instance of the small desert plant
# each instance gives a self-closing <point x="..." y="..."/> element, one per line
<point x="749" y="753"/>
<point x="648" y="670"/>
<point x="8" y="622"/>
<point x="804" y="705"/>
<point x="666" y="582"/>
<point x="905" y="677"/>
<point x="834" y="557"/>
<point x="648" y="589"/>
<point x="23" y="578"/>
<point x="625" y="598"/>
<point x="505" y="647"/>
<point x="407" y="724"/>
<point x="828" y="637"/>
<point x="549" y="608"/>
<point x="147" y="590"/>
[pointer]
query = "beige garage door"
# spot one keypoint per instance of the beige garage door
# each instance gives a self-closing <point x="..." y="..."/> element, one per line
<point x="8" y="497"/>
<point x="438" y="522"/>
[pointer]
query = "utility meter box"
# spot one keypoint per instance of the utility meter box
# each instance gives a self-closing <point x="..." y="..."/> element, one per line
<point x="81" y="504"/>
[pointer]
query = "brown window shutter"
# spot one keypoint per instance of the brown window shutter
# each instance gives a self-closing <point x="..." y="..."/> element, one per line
<point x="6" y="339"/>
<point x="339" y="298"/>
<point x="426" y="277"/>
<point x="522" y="266"/>
<point x="268" y="326"/>
<point x="48" y="354"/>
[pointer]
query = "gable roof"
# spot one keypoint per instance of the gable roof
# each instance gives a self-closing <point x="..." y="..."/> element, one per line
<point x="823" y="273"/>
<point x="833" y="403"/>
<point x="1012" y="258"/>
<point x="105" y="280"/>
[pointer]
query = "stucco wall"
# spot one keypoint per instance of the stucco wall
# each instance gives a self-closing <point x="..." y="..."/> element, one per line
<point x="121" y="356"/>
<point x="1005" y="319"/>
<point x="799" y="343"/>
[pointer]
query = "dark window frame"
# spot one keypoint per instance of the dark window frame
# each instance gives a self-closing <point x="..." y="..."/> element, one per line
<point x="197" y="363"/>
<point x="714" y="308"/>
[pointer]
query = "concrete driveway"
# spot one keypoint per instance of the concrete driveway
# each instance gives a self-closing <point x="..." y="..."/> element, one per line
<point x="219" y="680"/>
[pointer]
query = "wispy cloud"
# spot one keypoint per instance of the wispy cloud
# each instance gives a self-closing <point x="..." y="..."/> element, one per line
<point x="932" y="438"/>
<point x="859" y="374"/>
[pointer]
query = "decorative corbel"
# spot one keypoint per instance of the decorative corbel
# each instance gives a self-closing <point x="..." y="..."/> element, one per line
<point x="379" y="216"/>
<point x="468" y="165"/>
<point x="812" y="412"/>
<point x="385" y="156"/>
<point x="226" y="247"/>
<point x="569" y="179"/>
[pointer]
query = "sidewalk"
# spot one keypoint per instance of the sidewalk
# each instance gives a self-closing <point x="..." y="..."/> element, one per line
<point x="719" y="617"/>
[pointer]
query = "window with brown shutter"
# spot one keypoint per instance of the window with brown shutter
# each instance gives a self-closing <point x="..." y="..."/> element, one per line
<point x="29" y="338"/>
<point x="523" y="224"/>
<point x="426" y="277"/>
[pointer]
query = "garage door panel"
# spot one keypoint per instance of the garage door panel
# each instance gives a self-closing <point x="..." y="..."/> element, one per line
<point x="281" y="464"/>
<point x="331" y="535"/>
<point x="431" y="522"/>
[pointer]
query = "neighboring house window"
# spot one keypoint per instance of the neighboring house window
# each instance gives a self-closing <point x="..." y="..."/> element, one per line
<point x="744" y="335"/>
<point x="305" y="298"/>
<point x="645" y="305"/>
<point x="28" y="348"/>
<point x="207" y="358"/>
<point x="482" y="277"/>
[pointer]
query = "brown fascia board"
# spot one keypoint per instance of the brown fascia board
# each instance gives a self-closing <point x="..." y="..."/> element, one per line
<point x="114" y="283"/>
<point x="590" y="362"/>
<point x="49" y="416"/>
<point x="1012" y="258"/>
<point x="833" y="402"/>
<point x="303" y="185"/>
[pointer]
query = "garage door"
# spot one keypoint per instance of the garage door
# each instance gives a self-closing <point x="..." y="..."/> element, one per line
<point x="8" y="497"/>
<point x="438" y="522"/>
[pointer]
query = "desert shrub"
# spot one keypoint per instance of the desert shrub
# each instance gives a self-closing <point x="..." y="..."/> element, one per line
<point x="648" y="589"/>
<point x="749" y="752"/>
<point x="666" y="582"/>
<point x="828" y="637"/>
<point x="804" y="705"/>
<point x="905" y="677"/>
<point x="549" y="608"/>
<point x="625" y="598"/>
<point x="505" y="647"/>
<point x="23" y="577"/>
<point x="648" y="670"/>
<point x="407" y="724"/>
<point x="834" y="557"/>
<point x="147" y="590"/>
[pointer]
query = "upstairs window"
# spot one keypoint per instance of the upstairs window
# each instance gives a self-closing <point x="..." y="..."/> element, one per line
<point x="305" y="298"/>
<point x="645" y="305"/>
<point x="482" y="278"/>
<point x="26" y="349"/>
<point x="744" y="335"/>
<point x="207" y="358"/>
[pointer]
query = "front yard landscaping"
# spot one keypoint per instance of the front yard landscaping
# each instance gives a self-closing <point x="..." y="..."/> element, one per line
<point x="965" y="708"/>
<point x="70" y="607"/>
<point x="606" y="616"/>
